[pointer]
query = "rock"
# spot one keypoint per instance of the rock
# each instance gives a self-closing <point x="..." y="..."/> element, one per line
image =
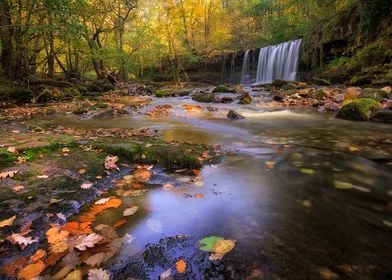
<point x="104" y="84"/>
<point x="233" y="115"/>
<point x="206" y="97"/>
<point x="358" y="110"/>
<point x="331" y="106"/>
<point x="279" y="83"/>
<point x="79" y="111"/>
<point x="290" y="86"/>
<point x="376" y="94"/>
<point x="226" y="99"/>
<point x="388" y="90"/>
<point x="211" y="109"/>
<point x="360" y="81"/>
<point x="110" y="113"/>
<point x="320" y="94"/>
<point x="338" y="98"/>
<point x="224" y="89"/>
<point x="304" y="92"/>
<point x="245" y="99"/>
<point x="383" y="116"/>
<point x="301" y="85"/>
<point x="320" y="82"/>
<point x="164" y="93"/>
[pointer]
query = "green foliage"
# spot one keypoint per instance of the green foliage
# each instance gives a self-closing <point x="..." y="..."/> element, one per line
<point x="358" y="110"/>
<point x="207" y="243"/>
<point x="205" y="97"/>
<point x="339" y="61"/>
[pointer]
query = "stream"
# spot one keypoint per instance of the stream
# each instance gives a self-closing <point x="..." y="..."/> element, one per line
<point x="305" y="195"/>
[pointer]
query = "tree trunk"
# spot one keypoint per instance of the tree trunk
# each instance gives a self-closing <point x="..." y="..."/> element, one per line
<point x="7" y="50"/>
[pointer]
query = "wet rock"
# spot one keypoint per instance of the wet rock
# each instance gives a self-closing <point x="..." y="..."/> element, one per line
<point x="290" y="86"/>
<point x="224" y="89"/>
<point x="383" y="116"/>
<point x="376" y="94"/>
<point x="279" y="83"/>
<point x="358" y="110"/>
<point x="320" y="82"/>
<point x="233" y="115"/>
<point x="388" y="90"/>
<point x="104" y="84"/>
<point x="226" y="99"/>
<point x="278" y="97"/>
<point x="79" y="111"/>
<point x="211" y="109"/>
<point x="320" y="94"/>
<point x="352" y="93"/>
<point x="110" y="113"/>
<point x="205" y="97"/>
<point x="338" y="98"/>
<point x="245" y="99"/>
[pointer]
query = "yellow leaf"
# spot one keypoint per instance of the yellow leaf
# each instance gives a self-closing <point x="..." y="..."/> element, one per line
<point x="181" y="266"/>
<point x="39" y="255"/>
<point x="59" y="247"/>
<point x="223" y="246"/>
<point x="8" y="222"/>
<point x="31" y="271"/>
<point x="74" y="275"/>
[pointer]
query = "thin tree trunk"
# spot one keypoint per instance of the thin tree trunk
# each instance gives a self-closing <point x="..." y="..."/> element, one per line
<point x="7" y="50"/>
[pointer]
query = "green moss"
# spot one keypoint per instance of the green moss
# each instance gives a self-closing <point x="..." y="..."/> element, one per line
<point x="7" y="159"/>
<point x="358" y="110"/>
<point x="163" y="93"/>
<point x="376" y="94"/>
<point x="100" y="105"/>
<point x="319" y="94"/>
<point x="224" y="89"/>
<point x="206" y="97"/>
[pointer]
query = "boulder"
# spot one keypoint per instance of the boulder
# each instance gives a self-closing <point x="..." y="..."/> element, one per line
<point x="320" y="94"/>
<point x="224" y="89"/>
<point x="278" y="97"/>
<point x="279" y="83"/>
<point x="233" y="115"/>
<point x="376" y="94"/>
<point x="245" y="98"/>
<point x="359" y="110"/>
<point x="383" y="116"/>
<point x="226" y="99"/>
<point x="338" y="98"/>
<point x="205" y="97"/>
<point x="352" y="93"/>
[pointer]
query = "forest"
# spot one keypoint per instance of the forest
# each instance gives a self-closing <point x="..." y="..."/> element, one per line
<point x="195" y="139"/>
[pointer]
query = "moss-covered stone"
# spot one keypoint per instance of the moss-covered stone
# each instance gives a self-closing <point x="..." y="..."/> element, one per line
<point x="383" y="116"/>
<point x="320" y="82"/>
<point x="224" y="89"/>
<point x="246" y="99"/>
<point x="319" y="94"/>
<point x="163" y="93"/>
<point x="206" y="97"/>
<point x="358" y="110"/>
<point x="376" y="94"/>
<point x="279" y="83"/>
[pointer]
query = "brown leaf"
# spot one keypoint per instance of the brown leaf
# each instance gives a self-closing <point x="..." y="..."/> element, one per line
<point x="97" y="259"/>
<point x="55" y="235"/>
<point x="130" y="211"/>
<point x="23" y="242"/>
<point x="142" y="175"/>
<point x="31" y="271"/>
<point x="74" y="275"/>
<point x="199" y="196"/>
<point x="110" y="162"/>
<point x="12" y="268"/>
<point x="119" y="223"/>
<point x="18" y="188"/>
<point x="7" y="222"/>
<point x="78" y="228"/>
<point x="12" y="150"/>
<point x="6" y="174"/>
<point x="82" y="171"/>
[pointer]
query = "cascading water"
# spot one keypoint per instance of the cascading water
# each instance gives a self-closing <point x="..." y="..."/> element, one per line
<point x="232" y="69"/>
<point x="245" y="76"/>
<point x="279" y="62"/>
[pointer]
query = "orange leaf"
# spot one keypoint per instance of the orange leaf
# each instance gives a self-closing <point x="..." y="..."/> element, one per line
<point x="12" y="268"/>
<point x="56" y="235"/>
<point x="196" y="171"/>
<point x="78" y="228"/>
<point x="97" y="209"/>
<point x="199" y="196"/>
<point x="181" y="266"/>
<point x="119" y="223"/>
<point x="31" y="271"/>
<point x="6" y="174"/>
<point x="142" y="175"/>
<point x="39" y="255"/>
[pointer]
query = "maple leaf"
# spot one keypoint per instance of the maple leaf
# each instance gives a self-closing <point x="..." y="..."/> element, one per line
<point x="12" y="150"/>
<point x="8" y="222"/>
<point x="86" y="185"/>
<point x="23" y="242"/>
<point x="102" y="201"/>
<point x="87" y="241"/>
<point x="98" y="274"/>
<point x="181" y="266"/>
<point x="31" y="271"/>
<point x="110" y="162"/>
<point x="18" y="188"/>
<point x="130" y="211"/>
<point x="39" y="255"/>
<point x="5" y="174"/>
<point x="142" y="175"/>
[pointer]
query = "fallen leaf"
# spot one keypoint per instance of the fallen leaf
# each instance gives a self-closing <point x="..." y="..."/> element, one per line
<point x="59" y="247"/>
<point x="20" y="160"/>
<point x="119" y="223"/>
<point x="55" y="235"/>
<point x="307" y="171"/>
<point x="223" y="246"/>
<point x="55" y="200"/>
<point x="74" y="275"/>
<point x="107" y="231"/>
<point x="196" y="171"/>
<point x="102" y="201"/>
<point x="168" y="186"/>
<point x="181" y="266"/>
<point x="110" y="162"/>
<point x="327" y="274"/>
<point x="66" y="150"/>
<point x="11" y="268"/>
<point x="98" y="274"/>
<point x="207" y="243"/>
<point x="166" y="275"/>
<point x="97" y="259"/>
<point x="39" y="255"/>
<point x="31" y="271"/>
<point x="18" y="188"/>
<point x="307" y="203"/>
<point x="42" y="176"/>
<point x="353" y="149"/>
<point x="134" y="193"/>
<point x="10" y="174"/>
<point x="130" y="211"/>
<point x="7" y="222"/>
<point x="362" y="189"/>
<point x="78" y="228"/>
<point x="270" y="164"/>
<point x="128" y="238"/>
<point x="343" y="185"/>
<point x="86" y="185"/>
<point x="82" y="171"/>
<point x="199" y="196"/>
<point x="23" y="242"/>
<point x="142" y="175"/>
<point x="12" y="150"/>
<point x="387" y="223"/>
<point x="87" y="241"/>
<point x="97" y="209"/>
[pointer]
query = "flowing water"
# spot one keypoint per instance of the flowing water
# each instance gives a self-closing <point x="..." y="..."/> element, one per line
<point x="299" y="202"/>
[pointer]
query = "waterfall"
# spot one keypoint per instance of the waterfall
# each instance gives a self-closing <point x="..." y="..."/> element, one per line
<point x="232" y="69"/>
<point x="223" y="72"/>
<point x="279" y="62"/>
<point x="245" y="76"/>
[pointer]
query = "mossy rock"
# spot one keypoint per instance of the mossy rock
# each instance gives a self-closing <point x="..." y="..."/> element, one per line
<point x="205" y="97"/>
<point x="360" y="81"/>
<point x="384" y="116"/>
<point x="18" y="94"/>
<point x="290" y="86"/>
<point x="246" y="99"/>
<point x="100" y="105"/>
<point x="104" y="84"/>
<point x="182" y="93"/>
<point x="279" y="83"/>
<point x="224" y="89"/>
<point x="164" y="93"/>
<point x="358" y="110"/>
<point x="319" y="94"/>
<point x="376" y="94"/>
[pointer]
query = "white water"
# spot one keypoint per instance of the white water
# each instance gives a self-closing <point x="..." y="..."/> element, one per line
<point x="245" y="76"/>
<point x="279" y="62"/>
